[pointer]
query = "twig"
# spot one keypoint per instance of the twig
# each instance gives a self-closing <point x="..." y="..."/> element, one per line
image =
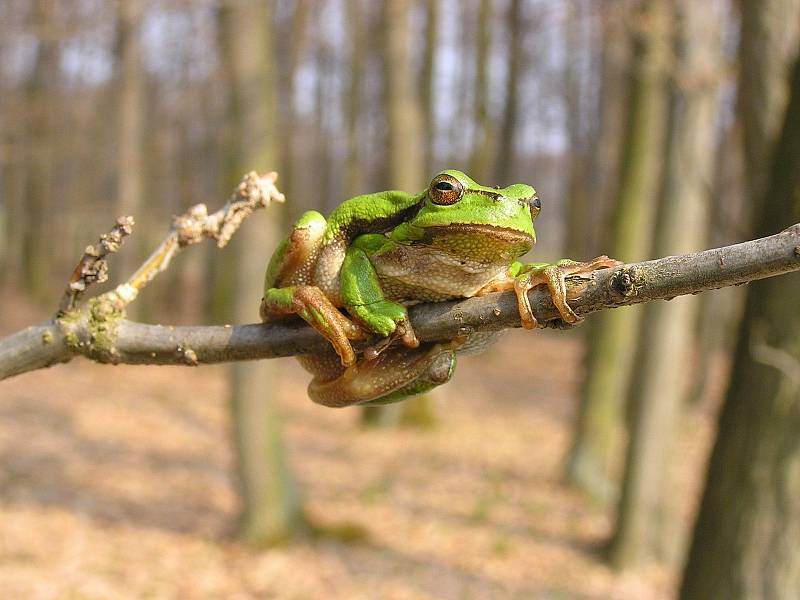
<point x="137" y="343"/>
<point x="93" y="267"/>
<point x="254" y="192"/>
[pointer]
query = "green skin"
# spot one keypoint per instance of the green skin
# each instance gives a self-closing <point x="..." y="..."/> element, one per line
<point x="378" y="253"/>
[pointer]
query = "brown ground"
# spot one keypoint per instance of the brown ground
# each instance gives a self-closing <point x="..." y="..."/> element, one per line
<point x="115" y="482"/>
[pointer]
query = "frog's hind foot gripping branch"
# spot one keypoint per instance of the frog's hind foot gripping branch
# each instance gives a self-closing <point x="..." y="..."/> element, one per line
<point x="311" y="304"/>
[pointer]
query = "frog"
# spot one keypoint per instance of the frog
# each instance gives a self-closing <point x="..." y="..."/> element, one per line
<point x="354" y="275"/>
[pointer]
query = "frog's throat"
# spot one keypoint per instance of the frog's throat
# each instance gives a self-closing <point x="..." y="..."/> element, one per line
<point x="500" y="235"/>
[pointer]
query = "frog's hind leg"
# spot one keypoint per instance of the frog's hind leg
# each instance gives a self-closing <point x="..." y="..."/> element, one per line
<point x="288" y="290"/>
<point x="311" y="304"/>
<point x="394" y="375"/>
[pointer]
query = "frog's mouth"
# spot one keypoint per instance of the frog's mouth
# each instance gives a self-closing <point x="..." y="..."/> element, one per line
<point x="474" y="238"/>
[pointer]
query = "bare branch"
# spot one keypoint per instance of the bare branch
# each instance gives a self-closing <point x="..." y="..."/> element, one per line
<point x="34" y="348"/>
<point x="124" y="341"/>
<point x="93" y="266"/>
<point x="196" y="224"/>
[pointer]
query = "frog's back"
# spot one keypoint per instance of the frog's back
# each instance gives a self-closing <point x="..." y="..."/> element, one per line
<point x="370" y="213"/>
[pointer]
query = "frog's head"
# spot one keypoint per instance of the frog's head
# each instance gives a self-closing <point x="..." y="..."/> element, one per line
<point x="457" y="210"/>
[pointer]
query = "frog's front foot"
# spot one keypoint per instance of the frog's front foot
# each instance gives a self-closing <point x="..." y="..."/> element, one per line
<point x="388" y="319"/>
<point x="554" y="276"/>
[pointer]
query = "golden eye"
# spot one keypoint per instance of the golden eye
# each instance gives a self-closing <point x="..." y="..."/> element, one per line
<point x="535" y="206"/>
<point x="445" y="189"/>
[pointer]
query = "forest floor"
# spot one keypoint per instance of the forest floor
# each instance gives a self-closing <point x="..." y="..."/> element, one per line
<point x="116" y="482"/>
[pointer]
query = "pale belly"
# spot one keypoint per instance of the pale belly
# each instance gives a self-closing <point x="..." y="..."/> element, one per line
<point x="412" y="274"/>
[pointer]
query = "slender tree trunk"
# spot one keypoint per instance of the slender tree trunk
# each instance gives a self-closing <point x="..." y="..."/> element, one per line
<point x="720" y="310"/>
<point x="483" y="151"/>
<point x="769" y="37"/>
<point x="35" y="222"/>
<point x="129" y="108"/>
<point x="405" y="158"/>
<point x="295" y="49"/>
<point x="745" y="542"/>
<point x="354" y="184"/>
<point x="322" y="155"/>
<point x="645" y="527"/>
<point x="768" y="40"/>
<point x="504" y="168"/>
<point x="13" y="207"/>
<point x="610" y="357"/>
<point x="270" y="507"/>
<point x="427" y="84"/>
<point x="404" y="117"/>
<point x="578" y="189"/>
<point x="616" y="64"/>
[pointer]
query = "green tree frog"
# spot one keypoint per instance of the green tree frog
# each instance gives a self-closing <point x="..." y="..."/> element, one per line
<point x="379" y="253"/>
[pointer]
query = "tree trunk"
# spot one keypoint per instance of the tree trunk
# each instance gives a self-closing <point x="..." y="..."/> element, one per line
<point x="34" y="223"/>
<point x="575" y="90"/>
<point x="270" y="507"/>
<point x="504" y="168"/>
<point x="295" y="49"/>
<point x="483" y="151"/>
<point x="617" y="42"/>
<point x="129" y="96"/>
<point x="610" y="356"/>
<point x="645" y="527"/>
<point x="745" y="542"/>
<point x="769" y="36"/>
<point x="404" y="117"/>
<point x="354" y="184"/>
<point x="427" y="84"/>
<point x="405" y="157"/>
<point x="768" y="40"/>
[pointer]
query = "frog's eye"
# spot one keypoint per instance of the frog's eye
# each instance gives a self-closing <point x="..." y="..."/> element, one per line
<point x="535" y="206"/>
<point x="446" y="189"/>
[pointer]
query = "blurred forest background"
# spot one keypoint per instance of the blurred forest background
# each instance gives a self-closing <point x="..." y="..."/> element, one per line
<point x="648" y="127"/>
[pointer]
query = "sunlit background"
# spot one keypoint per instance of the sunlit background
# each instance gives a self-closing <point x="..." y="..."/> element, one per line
<point x="556" y="465"/>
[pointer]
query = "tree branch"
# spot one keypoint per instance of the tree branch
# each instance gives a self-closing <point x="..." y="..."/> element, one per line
<point x="101" y="333"/>
<point x="195" y="225"/>
<point x="93" y="267"/>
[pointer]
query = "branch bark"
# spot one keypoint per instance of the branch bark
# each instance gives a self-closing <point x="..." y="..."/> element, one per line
<point x="103" y="335"/>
